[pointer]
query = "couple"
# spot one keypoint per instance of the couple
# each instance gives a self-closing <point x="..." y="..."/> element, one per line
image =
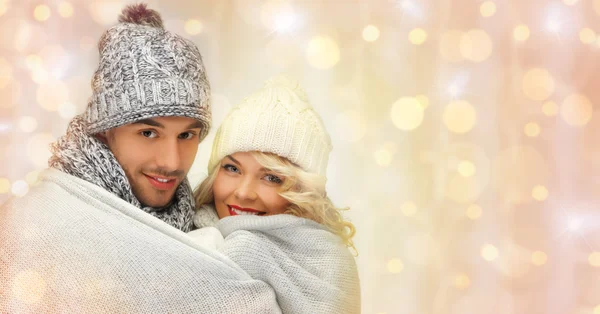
<point x="96" y="234"/>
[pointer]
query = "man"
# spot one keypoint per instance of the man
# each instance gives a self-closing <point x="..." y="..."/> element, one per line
<point x="149" y="110"/>
<point x="86" y="239"/>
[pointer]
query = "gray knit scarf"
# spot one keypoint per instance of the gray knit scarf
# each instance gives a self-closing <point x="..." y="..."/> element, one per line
<point x="87" y="158"/>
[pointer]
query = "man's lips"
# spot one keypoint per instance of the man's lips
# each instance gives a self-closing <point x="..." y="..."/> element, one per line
<point x="235" y="210"/>
<point x="161" y="183"/>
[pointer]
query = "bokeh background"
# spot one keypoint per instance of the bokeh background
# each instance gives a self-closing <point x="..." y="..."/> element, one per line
<point x="465" y="132"/>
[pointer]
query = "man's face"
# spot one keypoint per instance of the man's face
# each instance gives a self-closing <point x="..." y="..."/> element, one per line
<point x="156" y="155"/>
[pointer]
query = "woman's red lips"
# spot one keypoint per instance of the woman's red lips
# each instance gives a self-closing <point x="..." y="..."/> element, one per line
<point x="234" y="208"/>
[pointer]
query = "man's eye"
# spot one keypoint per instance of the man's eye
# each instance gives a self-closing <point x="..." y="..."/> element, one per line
<point x="187" y="135"/>
<point x="273" y="179"/>
<point x="148" y="134"/>
<point x="231" y="168"/>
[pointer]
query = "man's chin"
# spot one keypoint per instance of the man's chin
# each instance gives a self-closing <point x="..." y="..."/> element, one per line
<point x="157" y="202"/>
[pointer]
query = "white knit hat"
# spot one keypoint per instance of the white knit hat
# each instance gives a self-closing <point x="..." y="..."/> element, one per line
<point x="276" y="119"/>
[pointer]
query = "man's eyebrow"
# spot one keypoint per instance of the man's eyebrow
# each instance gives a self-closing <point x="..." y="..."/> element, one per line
<point x="233" y="159"/>
<point x="150" y="122"/>
<point x="195" y="125"/>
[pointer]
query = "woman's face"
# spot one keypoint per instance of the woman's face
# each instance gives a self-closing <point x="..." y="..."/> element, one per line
<point x="244" y="187"/>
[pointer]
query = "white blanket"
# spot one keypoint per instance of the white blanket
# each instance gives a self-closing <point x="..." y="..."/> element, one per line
<point x="72" y="247"/>
<point x="309" y="268"/>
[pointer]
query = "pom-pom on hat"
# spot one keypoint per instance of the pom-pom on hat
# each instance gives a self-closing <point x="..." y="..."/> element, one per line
<point x="277" y="119"/>
<point x="146" y="71"/>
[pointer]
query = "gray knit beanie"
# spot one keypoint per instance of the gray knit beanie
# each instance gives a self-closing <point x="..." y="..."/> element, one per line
<point x="146" y="71"/>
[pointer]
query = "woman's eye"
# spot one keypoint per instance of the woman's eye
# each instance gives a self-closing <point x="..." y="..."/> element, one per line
<point x="148" y="134"/>
<point x="273" y="179"/>
<point x="187" y="135"/>
<point x="231" y="168"/>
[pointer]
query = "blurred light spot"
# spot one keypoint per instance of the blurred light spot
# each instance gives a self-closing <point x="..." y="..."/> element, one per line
<point x="193" y="27"/>
<point x="65" y="9"/>
<point x="86" y="43"/>
<point x="52" y="94"/>
<point x="476" y="45"/>
<point x="322" y="52"/>
<point x="538" y="84"/>
<point x="417" y="36"/>
<point x="576" y="110"/>
<point x="532" y="129"/>
<point x="466" y="168"/>
<point x="594" y="259"/>
<point x="489" y="252"/>
<point x="28" y="124"/>
<point x="383" y="157"/>
<point x="407" y="113"/>
<point x="5" y="73"/>
<point x="539" y="258"/>
<point x="395" y="266"/>
<point x="423" y="101"/>
<point x="597" y="310"/>
<point x="587" y="36"/>
<point x="4" y="185"/>
<point x="370" y="33"/>
<point x="29" y="287"/>
<point x="570" y="2"/>
<point x="550" y="108"/>
<point x="487" y="9"/>
<point x="521" y="32"/>
<point x="39" y="76"/>
<point x="459" y="116"/>
<point x="32" y="177"/>
<point x="474" y="212"/>
<point x="409" y="209"/>
<point x="19" y="188"/>
<point x="462" y="281"/>
<point x="539" y="193"/>
<point x="41" y="13"/>
<point x="350" y="126"/>
<point x="67" y="110"/>
<point x="33" y="62"/>
<point x="278" y="16"/>
<point x="4" y="5"/>
<point x="450" y="45"/>
<point x="38" y="149"/>
<point x="574" y="224"/>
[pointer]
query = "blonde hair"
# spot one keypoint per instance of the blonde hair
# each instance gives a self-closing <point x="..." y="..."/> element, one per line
<point x="305" y="191"/>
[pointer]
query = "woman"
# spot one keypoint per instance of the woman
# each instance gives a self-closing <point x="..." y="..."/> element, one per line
<point x="266" y="184"/>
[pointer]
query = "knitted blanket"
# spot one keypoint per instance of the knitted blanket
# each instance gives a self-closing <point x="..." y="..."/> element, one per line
<point x="309" y="268"/>
<point x="69" y="246"/>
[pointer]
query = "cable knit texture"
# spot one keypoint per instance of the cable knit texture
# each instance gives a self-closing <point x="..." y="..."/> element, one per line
<point x="277" y="119"/>
<point x="146" y="71"/>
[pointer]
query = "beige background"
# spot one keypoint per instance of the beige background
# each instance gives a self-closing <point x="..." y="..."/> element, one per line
<point x="465" y="132"/>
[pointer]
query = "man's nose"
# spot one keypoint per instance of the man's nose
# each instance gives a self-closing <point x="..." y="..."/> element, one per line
<point x="168" y="156"/>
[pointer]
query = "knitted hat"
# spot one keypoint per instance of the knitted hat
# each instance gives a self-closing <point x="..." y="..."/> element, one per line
<point x="277" y="119"/>
<point x="146" y="71"/>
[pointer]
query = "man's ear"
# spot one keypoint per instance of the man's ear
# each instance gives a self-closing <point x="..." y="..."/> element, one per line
<point x="102" y="137"/>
